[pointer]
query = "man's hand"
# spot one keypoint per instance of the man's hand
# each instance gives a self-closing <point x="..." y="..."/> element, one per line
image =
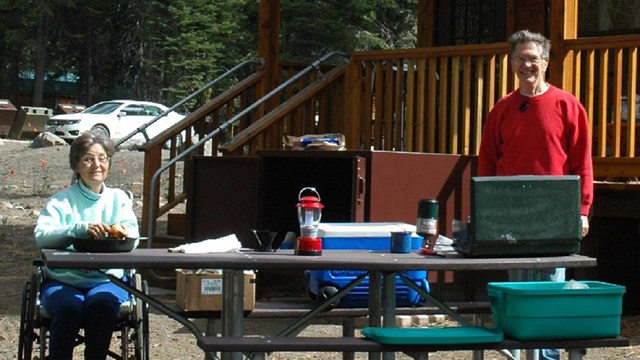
<point x="585" y="225"/>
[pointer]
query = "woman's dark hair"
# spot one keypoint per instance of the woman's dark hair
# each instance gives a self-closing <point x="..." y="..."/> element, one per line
<point x="525" y="36"/>
<point x="81" y="145"/>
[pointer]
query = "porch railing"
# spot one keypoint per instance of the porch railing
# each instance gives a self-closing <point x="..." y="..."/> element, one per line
<point x="606" y="81"/>
<point x="424" y="100"/>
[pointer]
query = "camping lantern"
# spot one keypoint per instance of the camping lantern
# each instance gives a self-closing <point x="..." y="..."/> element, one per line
<point x="309" y="214"/>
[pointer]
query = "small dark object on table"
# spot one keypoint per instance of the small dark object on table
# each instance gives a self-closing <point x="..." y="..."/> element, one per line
<point x="104" y="245"/>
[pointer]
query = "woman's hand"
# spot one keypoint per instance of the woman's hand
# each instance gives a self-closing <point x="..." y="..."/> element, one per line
<point x="97" y="231"/>
<point x="118" y="231"/>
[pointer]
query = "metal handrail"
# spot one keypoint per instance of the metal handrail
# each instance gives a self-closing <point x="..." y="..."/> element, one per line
<point x="143" y="128"/>
<point x="154" y="179"/>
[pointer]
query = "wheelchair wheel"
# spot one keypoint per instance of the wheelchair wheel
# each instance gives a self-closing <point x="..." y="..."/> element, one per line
<point x="27" y="335"/>
<point x="24" y="351"/>
<point x="141" y="331"/>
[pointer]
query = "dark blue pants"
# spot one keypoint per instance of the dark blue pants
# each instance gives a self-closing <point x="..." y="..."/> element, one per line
<point x="95" y="309"/>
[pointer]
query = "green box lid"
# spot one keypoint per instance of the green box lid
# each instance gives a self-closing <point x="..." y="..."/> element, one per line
<point x="513" y="209"/>
<point x="433" y="335"/>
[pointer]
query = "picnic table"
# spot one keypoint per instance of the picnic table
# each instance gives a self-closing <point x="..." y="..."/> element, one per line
<point x="380" y="266"/>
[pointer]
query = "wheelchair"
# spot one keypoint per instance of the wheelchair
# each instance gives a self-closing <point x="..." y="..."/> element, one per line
<point x="132" y="325"/>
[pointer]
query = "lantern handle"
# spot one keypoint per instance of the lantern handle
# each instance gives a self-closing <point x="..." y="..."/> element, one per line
<point x="308" y="189"/>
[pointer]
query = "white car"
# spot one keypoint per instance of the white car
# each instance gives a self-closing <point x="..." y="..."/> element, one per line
<point x="115" y="119"/>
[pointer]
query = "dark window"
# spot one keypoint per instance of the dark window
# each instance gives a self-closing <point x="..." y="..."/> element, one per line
<point x="608" y="17"/>
<point x="461" y="22"/>
<point x="134" y="110"/>
<point x="152" y="110"/>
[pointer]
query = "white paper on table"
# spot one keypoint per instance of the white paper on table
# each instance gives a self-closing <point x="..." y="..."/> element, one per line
<point x="228" y="243"/>
<point x="443" y="243"/>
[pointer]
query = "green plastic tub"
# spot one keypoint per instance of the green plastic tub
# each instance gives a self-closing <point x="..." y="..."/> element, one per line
<point x="545" y="311"/>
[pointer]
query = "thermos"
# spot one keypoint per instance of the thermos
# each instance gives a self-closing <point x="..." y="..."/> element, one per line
<point x="427" y="223"/>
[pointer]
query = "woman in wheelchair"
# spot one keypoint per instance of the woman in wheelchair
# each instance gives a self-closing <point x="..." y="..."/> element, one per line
<point x="87" y="209"/>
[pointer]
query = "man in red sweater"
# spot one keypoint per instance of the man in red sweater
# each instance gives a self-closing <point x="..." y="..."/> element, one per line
<point x="538" y="129"/>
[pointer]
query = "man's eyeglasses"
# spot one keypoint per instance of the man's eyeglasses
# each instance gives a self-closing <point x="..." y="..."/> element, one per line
<point x="89" y="160"/>
<point x="521" y="60"/>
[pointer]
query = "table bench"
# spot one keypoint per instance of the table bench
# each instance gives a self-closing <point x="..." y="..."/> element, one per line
<point x="295" y="308"/>
<point x="257" y="347"/>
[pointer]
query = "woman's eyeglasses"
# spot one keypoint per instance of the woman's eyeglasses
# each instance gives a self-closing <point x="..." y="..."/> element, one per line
<point x="89" y="160"/>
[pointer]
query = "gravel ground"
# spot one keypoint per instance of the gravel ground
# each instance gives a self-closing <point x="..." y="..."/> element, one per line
<point x="28" y="176"/>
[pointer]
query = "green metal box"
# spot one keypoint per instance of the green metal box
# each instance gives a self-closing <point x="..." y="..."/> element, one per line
<point x="523" y="215"/>
<point x="545" y="310"/>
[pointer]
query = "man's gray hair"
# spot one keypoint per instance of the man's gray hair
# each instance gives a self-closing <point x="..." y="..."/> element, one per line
<point x="525" y="36"/>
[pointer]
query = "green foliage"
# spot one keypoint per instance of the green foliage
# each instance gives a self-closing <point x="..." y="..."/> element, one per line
<point x="395" y="24"/>
<point x="163" y="50"/>
<point x="312" y="28"/>
<point x="193" y="44"/>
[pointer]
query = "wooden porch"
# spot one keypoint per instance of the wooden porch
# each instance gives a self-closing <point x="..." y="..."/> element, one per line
<point x="427" y="100"/>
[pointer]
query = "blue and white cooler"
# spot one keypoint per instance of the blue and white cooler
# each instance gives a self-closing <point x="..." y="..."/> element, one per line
<point x="363" y="236"/>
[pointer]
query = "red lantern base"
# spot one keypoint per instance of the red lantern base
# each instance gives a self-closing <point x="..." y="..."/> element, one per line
<point x="308" y="246"/>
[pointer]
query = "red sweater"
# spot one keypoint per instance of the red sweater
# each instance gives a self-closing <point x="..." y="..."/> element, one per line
<point x="543" y="135"/>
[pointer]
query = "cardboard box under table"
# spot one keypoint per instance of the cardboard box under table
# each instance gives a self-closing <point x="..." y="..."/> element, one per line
<point x="201" y="290"/>
<point x="363" y="236"/>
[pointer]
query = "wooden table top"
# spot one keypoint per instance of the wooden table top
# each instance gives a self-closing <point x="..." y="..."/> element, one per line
<point x="285" y="259"/>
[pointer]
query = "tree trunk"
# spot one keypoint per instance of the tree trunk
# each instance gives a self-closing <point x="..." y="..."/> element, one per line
<point x="40" y="60"/>
<point x="86" y="61"/>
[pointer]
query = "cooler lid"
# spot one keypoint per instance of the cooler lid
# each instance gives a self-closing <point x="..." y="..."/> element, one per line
<point x="370" y="229"/>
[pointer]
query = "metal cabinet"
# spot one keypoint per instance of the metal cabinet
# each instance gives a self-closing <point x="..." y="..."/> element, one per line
<point x="236" y="194"/>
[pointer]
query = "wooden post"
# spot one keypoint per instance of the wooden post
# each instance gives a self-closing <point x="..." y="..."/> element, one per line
<point x="527" y="15"/>
<point x="563" y="25"/>
<point x="426" y="23"/>
<point x="269" y="47"/>
<point x="510" y="26"/>
<point x="353" y="106"/>
<point x="152" y="162"/>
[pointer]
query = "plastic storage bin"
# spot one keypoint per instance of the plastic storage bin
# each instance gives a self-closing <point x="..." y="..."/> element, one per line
<point x="543" y="310"/>
<point x="363" y="236"/>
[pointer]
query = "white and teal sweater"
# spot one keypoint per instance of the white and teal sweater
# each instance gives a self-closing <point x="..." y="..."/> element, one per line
<point x="67" y="215"/>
